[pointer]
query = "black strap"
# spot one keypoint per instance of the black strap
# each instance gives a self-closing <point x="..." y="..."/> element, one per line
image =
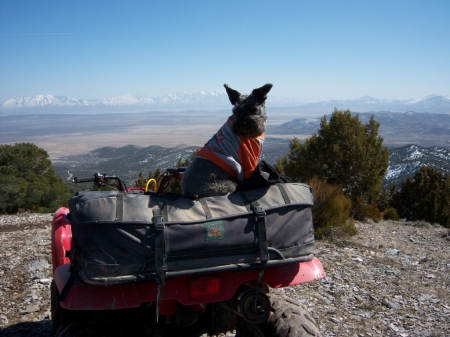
<point x="206" y="209"/>
<point x="119" y="206"/>
<point x="160" y="256"/>
<point x="261" y="223"/>
<point x="245" y="200"/>
<point x="68" y="285"/>
<point x="263" y="245"/>
<point x="284" y="193"/>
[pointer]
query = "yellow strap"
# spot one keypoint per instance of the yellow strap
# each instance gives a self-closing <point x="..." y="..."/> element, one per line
<point x="155" y="187"/>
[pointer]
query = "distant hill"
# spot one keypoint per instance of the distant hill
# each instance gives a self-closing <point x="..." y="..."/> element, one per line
<point x="432" y="103"/>
<point x="128" y="161"/>
<point x="397" y="129"/>
<point x="408" y="159"/>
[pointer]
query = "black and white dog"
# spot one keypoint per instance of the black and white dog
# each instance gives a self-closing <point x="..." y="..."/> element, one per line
<point x="233" y="153"/>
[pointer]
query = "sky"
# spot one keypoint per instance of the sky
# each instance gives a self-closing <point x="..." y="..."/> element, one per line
<point x="310" y="50"/>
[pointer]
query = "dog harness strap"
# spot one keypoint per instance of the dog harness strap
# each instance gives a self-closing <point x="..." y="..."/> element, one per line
<point x="160" y="256"/>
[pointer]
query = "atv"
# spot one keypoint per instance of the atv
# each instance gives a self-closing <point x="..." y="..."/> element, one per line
<point x="178" y="293"/>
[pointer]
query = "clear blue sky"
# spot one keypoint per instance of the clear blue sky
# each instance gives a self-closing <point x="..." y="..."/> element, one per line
<point x="310" y="50"/>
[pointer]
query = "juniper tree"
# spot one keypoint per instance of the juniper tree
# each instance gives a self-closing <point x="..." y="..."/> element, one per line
<point x="345" y="152"/>
<point x="426" y="196"/>
<point x="28" y="180"/>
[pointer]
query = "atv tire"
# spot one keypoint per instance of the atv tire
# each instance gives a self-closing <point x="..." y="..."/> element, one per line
<point x="287" y="318"/>
<point x="222" y="320"/>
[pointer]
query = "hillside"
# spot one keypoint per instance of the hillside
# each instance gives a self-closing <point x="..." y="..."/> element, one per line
<point x="408" y="159"/>
<point x="128" y="161"/>
<point x="392" y="279"/>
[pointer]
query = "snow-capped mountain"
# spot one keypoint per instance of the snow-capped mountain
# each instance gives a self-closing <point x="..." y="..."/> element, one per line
<point x="203" y="97"/>
<point x="407" y="160"/>
<point x="217" y="99"/>
<point x="43" y="101"/>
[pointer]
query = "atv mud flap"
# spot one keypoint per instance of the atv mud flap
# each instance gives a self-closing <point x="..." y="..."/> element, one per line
<point x="84" y="296"/>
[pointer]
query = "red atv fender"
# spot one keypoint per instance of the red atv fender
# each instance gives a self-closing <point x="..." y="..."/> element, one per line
<point x="61" y="238"/>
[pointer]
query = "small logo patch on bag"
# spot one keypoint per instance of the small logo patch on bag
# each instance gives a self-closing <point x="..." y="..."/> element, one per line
<point x="214" y="230"/>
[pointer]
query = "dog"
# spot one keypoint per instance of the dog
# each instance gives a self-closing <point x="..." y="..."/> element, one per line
<point x="233" y="153"/>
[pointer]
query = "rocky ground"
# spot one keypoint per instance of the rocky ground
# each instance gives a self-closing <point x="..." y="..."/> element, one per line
<point x="392" y="279"/>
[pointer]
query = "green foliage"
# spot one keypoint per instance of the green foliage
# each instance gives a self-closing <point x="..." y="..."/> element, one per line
<point x="331" y="211"/>
<point x="425" y="197"/>
<point x="344" y="152"/>
<point x="28" y="181"/>
<point x="390" y="214"/>
<point x="140" y="182"/>
<point x="174" y="186"/>
<point x="393" y="196"/>
<point x="363" y="211"/>
<point x="382" y="201"/>
<point x="183" y="162"/>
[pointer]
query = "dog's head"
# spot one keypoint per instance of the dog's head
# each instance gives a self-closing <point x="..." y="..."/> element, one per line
<point x="249" y="111"/>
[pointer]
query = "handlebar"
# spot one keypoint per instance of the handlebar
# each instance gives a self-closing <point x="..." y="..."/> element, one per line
<point x="170" y="174"/>
<point x="100" y="180"/>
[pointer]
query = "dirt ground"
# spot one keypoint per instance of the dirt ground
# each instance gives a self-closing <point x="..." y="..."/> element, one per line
<point x="392" y="279"/>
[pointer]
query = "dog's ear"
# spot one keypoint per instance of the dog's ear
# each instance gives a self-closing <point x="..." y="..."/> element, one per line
<point x="261" y="93"/>
<point x="233" y="95"/>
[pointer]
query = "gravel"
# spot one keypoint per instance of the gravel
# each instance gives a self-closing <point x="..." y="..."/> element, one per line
<point x="392" y="279"/>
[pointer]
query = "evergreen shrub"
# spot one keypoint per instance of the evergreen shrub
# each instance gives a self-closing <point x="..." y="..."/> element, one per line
<point x="426" y="196"/>
<point x="331" y="211"/>
<point x="28" y="181"/>
<point x="390" y="214"/>
<point x="345" y="152"/>
<point x="365" y="211"/>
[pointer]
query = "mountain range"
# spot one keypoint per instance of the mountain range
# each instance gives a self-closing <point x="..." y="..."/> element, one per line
<point x="210" y="97"/>
<point x="213" y="99"/>
<point x="128" y="161"/>
<point x="397" y="129"/>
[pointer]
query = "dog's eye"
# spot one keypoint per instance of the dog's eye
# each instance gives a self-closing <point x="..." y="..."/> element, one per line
<point x="254" y="110"/>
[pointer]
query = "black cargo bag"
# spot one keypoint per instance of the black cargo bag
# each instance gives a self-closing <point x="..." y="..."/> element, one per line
<point x="122" y="237"/>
